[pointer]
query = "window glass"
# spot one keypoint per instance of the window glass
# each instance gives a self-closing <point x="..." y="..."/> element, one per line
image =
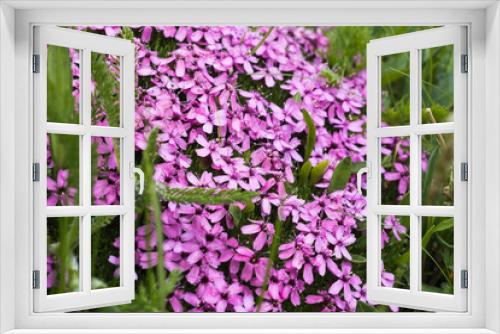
<point x="395" y="246"/>
<point x="105" y="171"/>
<point x="105" y="257"/>
<point x="395" y="170"/>
<point x="437" y="169"/>
<point x="437" y="84"/>
<point x="63" y="170"/>
<point x="437" y="254"/>
<point x="63" y="85"/>
<point x="63" y="247"/>
<point x="395" y="88"/>
<point x="105" y="89"/>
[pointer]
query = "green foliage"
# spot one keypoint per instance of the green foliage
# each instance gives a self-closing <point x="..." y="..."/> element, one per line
<point x="207" y="196"/>
<point x="436" y="113"/>
<point x="341" y="175"/>
<point x="128" y="34"/>
<point x="346" y="54"/>
<point x="346" y="44"/>
<point x="304" y="173"/>
<point x="437" y="80"/>
<point x="441" y="226"/>
<point x="311" y="135"/>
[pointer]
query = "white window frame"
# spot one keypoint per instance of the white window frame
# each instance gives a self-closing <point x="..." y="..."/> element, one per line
<point x="16" y="21"/>
<point x="413" y="44"/>
<point x="85" y="43"/>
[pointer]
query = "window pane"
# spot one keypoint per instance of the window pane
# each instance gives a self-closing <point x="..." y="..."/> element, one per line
<point x="437" y="169"/>
<point x="63" y="255"/>
<point x="395" y="163"/>
<point x="437" y="84"/>
<point x="105" y="252"/>
<point x="437" y="254"/>
<point x="105" y="171"/>
<point x="395" y="89"/>
<point x="106" y="90"/>
<point x="395" y="245"/>
<point x="63" y="169"/>
<point x="63" y="73"/>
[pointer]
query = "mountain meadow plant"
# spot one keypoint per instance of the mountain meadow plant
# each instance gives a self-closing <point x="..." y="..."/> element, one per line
<point x="250" y="139"/>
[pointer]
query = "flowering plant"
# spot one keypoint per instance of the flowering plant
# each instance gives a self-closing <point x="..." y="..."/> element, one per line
<point x="262" y="118"/>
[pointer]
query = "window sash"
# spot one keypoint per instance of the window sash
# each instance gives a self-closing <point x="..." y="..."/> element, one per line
<point x="413" y="43"/>
<point x="85" y="298"/>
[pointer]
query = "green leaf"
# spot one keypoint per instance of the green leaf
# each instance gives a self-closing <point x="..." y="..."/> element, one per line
<point x="364" y="307"/>
<point x="428" y="235"/>
<point x="358" y="258"/>
<point x="127" y="33"/>
<point x="304" y="172"/>
<point x="317" y="172"/>
<point x="237" y="215"/>
<point x="444" y="225"/>
<point x="311" y="135"/>
<point x="341" y="175"/>
<point x="207" y="196"/>
<point x="356" y="166"/>
<point x="297" y="98"/>
<point x="249" y="207"/>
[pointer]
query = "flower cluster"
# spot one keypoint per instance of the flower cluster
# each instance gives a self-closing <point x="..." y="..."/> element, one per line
<point x="229" y="104"/>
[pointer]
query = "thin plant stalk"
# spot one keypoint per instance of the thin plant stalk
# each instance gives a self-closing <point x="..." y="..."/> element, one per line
<point x="152" y="198"/>
<point x="257" y="47"/>
<point x="272" y="258"/>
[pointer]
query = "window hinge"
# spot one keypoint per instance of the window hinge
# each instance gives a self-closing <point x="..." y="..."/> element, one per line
<point x="464" y="279"/>
<point x="36" y="279"/>
<point x="36" y="63"/>
<point x="36" y="172"/>
<point x="464" y="171"/>
<point x="465" y="63"/>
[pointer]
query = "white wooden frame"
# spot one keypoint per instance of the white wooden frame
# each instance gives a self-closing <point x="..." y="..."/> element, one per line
<point x="484" y="20"/>
<point x="86" y="43"/>
<point x="412" y="44"/>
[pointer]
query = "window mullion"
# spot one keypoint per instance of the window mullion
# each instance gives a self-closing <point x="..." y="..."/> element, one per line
<point x="85" y="155"/>
<point x="414" y="170"/>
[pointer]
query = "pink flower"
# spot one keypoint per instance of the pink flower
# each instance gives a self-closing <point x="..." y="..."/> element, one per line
<point x="58" y="190"/>
<point x="264" y="231"/>
<point x="346" y="282"/>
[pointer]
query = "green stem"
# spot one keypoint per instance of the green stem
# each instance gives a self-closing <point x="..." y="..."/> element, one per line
<point x="254" y="50"/>
<point x="272" y="258"/>
<point x="62" y="249"/>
